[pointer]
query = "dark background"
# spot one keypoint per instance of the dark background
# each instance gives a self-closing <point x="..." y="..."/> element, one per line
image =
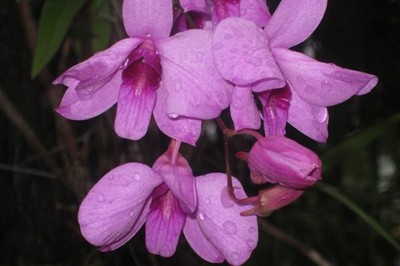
<point x="47" y="164"/>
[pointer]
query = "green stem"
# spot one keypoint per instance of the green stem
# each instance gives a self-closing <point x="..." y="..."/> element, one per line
<point x="333" y="192"/>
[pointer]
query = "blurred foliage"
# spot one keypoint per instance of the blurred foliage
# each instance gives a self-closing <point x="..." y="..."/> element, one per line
<point x="38" y="206"/>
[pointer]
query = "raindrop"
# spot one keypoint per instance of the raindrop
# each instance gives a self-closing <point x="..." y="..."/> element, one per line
<point x="173" y="115"/>
<point x="111" y="176"/>
<point x="125" y="64"/>
<point x="252" y="230"/>
<point x="208" y="201"/>
<point x="235" y="256"/>
<point x="254" y="61"/>
<point x="326" y="86"/>
<point x="243" y="12"/>
<point x="131" y="213"/>
<point x="100" y="198"/>
<point x="251" y="243"/>
<point x="137" y="176"/>
<point x="230" y="227"/>
<point x="320" y="114"/>
<point x="199" y="57"/>
<point x="202" y="216"/>
<point x="217" y="46"/>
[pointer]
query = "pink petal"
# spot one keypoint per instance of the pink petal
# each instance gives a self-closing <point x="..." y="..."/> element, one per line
<point x="91" y="75"/>
<point x="242" y="54"/>
<point x="244" y="110"/>
<point x="194" y="5"/>
<point x="309" y="119"/>
<point x="200" y="243"/>
<point x="164" y="225"/>
<point x="134" y="112"/>
<point x="220" y="221"/>
<point x="76" y="108"/>
<point x="115" y="208"/>
<point x="147" y="19"/>
<point x="179" y="178"/>
<point x="320" y="83"/>
<point x="194" y="87"/>
<point x="294" y="21"/>
<point x="181" y="128"/>
<point x="256" y="11"/>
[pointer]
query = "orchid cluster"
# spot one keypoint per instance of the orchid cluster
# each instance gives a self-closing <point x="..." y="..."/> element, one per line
<point x="184" y="63"/>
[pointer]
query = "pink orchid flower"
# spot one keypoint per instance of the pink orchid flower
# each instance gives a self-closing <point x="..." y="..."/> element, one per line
<point x="258" y="60"/>
<point x="173" y="78"/>
<point x="165" y="199"/>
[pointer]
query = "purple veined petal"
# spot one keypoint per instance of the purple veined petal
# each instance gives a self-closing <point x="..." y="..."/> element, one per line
<point x="164" y="224"/>
<point x="309" y="119"/>
<point x="74" y="107"/>
<point x="276" y="104"/>
<point x="294" y="21"/>
<point x="195" y="89"/>
<point x="115" y="208"/>
<point x="181" y="128"/>
<point x="134" y="112"/>
<point x="320" y="83"/>
<point x="194" y="5"/>
<point x="147" y="19"/>
<point x="244" y="110"/>
<point x="220" y="221"/>
<point x="242" y="54"/>
<point x="91" y="75"/>
<point x="180" y="180"/>
<point x="256" y="11"/>
<point x="199" y="242"/>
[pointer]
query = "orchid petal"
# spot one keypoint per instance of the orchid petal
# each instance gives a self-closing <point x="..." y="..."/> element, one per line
<point x="194" y="5"/>
<point x="164" y="225"/>
<point x="244" y="110"/>
<point x="181" y="128"/>
<point x="294" y="21"/>
<point x="140" y="16"/>
<point x="115" y="208"/>
<point x="309" y="119"/>
<point x="242" y="54"/>
<point x="179" y="178"/>
<point x="200" y="243"/>
<point x="320" y="83"/>
<point x="74" y="107"/>
<point x="91" y="75"/>
<point x="134" y="112"/>
<point x="220" y="221"/>
<point x="195" y="89"/>
<point x="256" y="11"/>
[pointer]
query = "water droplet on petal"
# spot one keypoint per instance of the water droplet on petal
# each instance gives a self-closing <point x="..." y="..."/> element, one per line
<point x="208" y="201"/>
<point x="235" y="256"/>
<point x="202" y="216"/>
<point x="326" y="86"/>
<point x="243" y="12"/>
<point x="251" y="244"/>
<point x="320" y="114"/>
<point x="100" y="198"/>
<point x="252" y="230"/>
<point x="131" y="213"/>
<point x="125" y="64"/>
<point x="226" y="200"/>
<point x="230" y="227"/>
<point x="111" y="176"/>
<point x="137" y="176"/>
<point x="173" y="115"/>
<point x="199" y="57"/>
<point x="217" y="46"/>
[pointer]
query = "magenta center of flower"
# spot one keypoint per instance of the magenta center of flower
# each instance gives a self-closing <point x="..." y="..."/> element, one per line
<point x="142" y="69"/>
<point x="222" y="9"/>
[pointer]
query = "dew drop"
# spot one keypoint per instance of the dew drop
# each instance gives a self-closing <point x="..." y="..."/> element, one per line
<point x="199" y="57"/>
<point x="251" y="243"/>
<point x="125" y="64"/>
<point x="235" y="256"/>
<point x="202" y="216"/>
<point x="111" y="176"/>
<point x="326" y="86"/>
<point x="173" y="115"/>
<point x="208" y="201"/>
<point x="252" y="230"/>
<point x="226" y="200"/>
<point x="320" y="114"/>
<point x="217" y="46"/>
<point x="243" y="12"/>
<point x="254" y="61"/>
<point x="230" y="227"/>
<point x="100" y="198"/>
<point x="137" y="176"/>
<point x="131" y="213"/>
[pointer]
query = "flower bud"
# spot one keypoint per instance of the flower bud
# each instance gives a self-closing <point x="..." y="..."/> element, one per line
<point x="272" y="199"/>
<point x="277" y="159"/>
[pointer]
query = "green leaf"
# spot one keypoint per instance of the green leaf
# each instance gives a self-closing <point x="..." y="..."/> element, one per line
<point x="333" y="192"/>
<point x="101" y="27"/>
<point x="54" y="22"/>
